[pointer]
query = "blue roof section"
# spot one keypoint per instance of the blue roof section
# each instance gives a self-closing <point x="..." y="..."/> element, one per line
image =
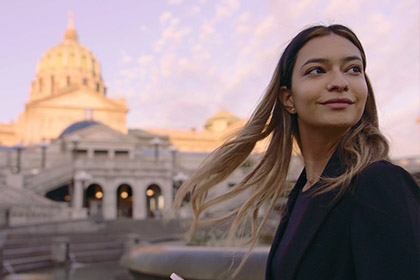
<point x="6" y="148"/>
<point x="77" y="126"/>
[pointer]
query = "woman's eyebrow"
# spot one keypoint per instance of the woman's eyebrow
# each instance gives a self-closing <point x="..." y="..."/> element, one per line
<point x="350" y="58"/>
<point x="315" y="60"/>
<point x="325" y="60"/>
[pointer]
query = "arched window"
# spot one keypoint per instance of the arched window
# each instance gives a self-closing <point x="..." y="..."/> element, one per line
<point x="93" y="200"/>
<point x="154" y="201"/>
<point x="61" y="194"/>
<point x="124" y="201"/>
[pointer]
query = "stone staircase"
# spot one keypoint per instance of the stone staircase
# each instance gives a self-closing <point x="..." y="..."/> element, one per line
<point x="23" y="252"/>
<point x="29" y="248"/>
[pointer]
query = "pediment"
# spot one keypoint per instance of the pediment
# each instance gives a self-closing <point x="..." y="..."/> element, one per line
<point x="102" y="133"/>
<point x="79" y="99"/>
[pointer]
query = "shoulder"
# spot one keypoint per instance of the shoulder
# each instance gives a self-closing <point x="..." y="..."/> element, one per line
<point x="384" y="172"/>
<point x="385" y="181"/>
<point x="382" y="167"/>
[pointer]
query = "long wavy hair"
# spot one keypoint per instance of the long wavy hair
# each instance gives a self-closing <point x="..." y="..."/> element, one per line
<point x="362" y="145"/>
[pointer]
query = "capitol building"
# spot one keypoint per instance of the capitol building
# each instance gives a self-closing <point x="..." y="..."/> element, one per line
<point x="70" y="154"/>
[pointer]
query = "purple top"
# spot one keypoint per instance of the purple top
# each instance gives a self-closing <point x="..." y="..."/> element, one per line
<point x="296" y="215"/>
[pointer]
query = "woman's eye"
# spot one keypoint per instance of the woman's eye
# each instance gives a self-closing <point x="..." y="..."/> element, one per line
<point x="355" y="69"/>
<point x="315" y="71"/>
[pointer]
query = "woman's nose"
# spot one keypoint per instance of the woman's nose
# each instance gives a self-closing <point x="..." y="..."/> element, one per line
<point x="338" y="83"/>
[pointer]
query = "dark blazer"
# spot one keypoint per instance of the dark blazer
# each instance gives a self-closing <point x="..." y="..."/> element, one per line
<point x="369" y="233"/>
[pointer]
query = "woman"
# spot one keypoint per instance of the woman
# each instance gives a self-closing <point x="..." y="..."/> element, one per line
<point x="351" y="214"/>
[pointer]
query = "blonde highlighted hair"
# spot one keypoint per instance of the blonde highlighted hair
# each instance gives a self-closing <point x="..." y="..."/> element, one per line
<point x="362" y="145"/>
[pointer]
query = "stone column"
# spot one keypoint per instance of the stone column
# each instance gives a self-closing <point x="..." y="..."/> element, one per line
<point x="90" y="153"/>
<point x="77" y="200"/>
<point x="139" y="201"/>
<point x="167" y="196"/>
<point x="109" y="203"/>
<point x="111" y="154"/>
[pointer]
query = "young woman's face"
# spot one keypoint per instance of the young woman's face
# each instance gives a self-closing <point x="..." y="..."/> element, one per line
<point x="329" y="89"/>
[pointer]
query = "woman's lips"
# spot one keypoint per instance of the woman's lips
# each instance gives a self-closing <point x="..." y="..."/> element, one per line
<point x="337" y="103"/>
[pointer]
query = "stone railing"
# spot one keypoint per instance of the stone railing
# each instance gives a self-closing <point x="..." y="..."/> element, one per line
<point x="17" y="215"/>
<point x="50" y="178"/>
<point x="194" y="263"/>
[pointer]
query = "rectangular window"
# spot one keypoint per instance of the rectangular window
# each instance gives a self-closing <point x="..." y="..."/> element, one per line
<point x="100" y="153"/>
<point x="81" y="153"/>
<point x="121" y="154"/>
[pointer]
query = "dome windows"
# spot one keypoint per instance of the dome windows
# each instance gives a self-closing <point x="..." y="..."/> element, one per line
<point x="84" y="63"/>
<point x="40" y="85"/>
<point x="59" y="59"/>
<point x="52" y="84"/>
<point x="68" y="64"/>
<point x="71" y="59"/>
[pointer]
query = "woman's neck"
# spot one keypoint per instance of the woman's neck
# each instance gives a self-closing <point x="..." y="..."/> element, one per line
<point x="317" y="149"/>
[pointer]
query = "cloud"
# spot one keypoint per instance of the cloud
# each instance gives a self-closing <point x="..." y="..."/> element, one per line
<point x="206" y="31"/>
<point x="125" y="58"/>
<point x="226" y="8"/>
<point x="172" y="32"/>
<point x="166" y="62"/>
<point x="244" y="17"/>
<point x="174" y="2"/>
<point x="194" y="10"/>
<point x="145" y="59"/>
<point x="165" y="17"/>
<point x="144" y="28"/>
<point x="201" y="64"/>
<point x="338" y="6"/>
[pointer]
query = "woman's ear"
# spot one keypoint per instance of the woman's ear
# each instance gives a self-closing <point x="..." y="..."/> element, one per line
<point x="286" y="98"/>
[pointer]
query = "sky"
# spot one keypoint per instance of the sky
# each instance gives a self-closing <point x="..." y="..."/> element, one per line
<point x="178" y="62"/>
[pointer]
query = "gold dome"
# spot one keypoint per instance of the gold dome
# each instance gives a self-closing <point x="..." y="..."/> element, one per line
<point x="67" y="65"/>
<point x="221" y="121"/>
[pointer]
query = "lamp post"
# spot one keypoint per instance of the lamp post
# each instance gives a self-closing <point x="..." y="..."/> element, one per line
<point x="43" y="146"/>
<point x="19" y="147"/>
<point x="178" y="180"/>
<point x="75" y="140"/>
<point x="173" y="151"/>
<point x="77" y="198"/>
<point x="156" y="142"/>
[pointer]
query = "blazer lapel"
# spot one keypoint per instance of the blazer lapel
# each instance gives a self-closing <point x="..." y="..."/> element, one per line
<point x="285" y="219"/>
<point x="315" y="214"/>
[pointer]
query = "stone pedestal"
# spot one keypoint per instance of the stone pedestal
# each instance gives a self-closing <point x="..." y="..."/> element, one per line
<point x="60" y="250"/>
